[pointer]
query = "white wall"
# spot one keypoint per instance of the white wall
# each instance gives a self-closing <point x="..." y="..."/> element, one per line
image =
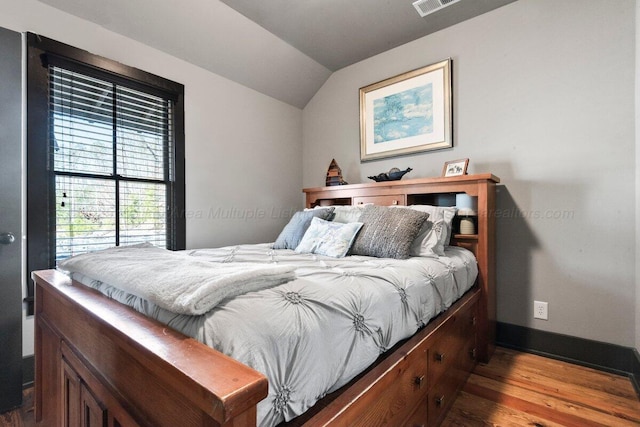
<point x="243" y="148"/>
<point x="542" y="99"/>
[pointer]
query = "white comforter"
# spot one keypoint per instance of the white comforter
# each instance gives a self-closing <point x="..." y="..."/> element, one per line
<point x="175" y="281"/>
<point x="312" y="335"/>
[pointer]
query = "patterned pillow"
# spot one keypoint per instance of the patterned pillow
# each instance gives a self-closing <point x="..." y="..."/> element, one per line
<point x="388" y="232"/>
<point x="436" y="231"/>
<point x="292" y="233"/>
<point x="328" y="238"/>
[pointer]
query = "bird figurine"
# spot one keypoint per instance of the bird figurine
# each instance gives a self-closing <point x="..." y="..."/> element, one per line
<point x="394" y="174"/>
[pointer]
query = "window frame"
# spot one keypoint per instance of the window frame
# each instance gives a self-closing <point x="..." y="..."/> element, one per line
<point x="40" y="177"/>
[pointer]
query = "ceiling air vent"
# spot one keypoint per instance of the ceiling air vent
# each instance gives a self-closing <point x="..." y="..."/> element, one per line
<point x="426" y="7"/>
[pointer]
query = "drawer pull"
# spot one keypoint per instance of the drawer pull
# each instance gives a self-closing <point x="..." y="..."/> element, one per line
<point x="418" y="380"/>
<point x="440" y="401"/>
<point x="473" y="320"/>
<point x="395" y="202"/>
<point x="472" y="353"/>
<point x="440" y="357"/>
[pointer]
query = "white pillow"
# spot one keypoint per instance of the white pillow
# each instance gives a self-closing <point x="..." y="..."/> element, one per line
<point x="435" y="232"/>
<point x="328" y="238"/>
<point x="345" y="213"/>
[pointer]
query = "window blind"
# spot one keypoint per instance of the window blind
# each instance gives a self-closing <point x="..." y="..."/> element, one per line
<point x="111" y="151"/>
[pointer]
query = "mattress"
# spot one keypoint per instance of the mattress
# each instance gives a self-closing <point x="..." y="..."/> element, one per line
<point x="312" y="335"/>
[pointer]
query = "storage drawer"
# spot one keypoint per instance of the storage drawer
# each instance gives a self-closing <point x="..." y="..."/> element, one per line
<point x="457" y="336"/>
<point x="451" y="359"/>
<point x="390" y="200"/>
<point x="419" y="418"/>
<point x="469" y="337"/>
<point x="401" y="391"/>
<point x="442" y="352"/>
<point x="444" y="393"/>
<point x="441" y="397"/>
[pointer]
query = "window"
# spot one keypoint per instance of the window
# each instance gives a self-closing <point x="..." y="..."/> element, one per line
<point x="105" y="155"/>
<point x="111" y="161"/>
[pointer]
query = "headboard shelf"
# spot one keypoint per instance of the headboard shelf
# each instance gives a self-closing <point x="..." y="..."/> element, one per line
<point x="465" y="236"/>
<point x="414" y="191"/>
<point x="414" y="181"/>
<point x="438" y="191"/>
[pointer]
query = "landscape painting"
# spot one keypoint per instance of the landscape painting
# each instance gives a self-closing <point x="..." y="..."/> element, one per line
<point x="407" y="114"/>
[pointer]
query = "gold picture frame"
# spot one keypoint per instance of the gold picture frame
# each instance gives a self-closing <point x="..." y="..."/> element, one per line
<point x="407" y="114"/>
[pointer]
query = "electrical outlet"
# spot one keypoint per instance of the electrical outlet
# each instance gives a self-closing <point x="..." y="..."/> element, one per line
<point x="541" y="310"/>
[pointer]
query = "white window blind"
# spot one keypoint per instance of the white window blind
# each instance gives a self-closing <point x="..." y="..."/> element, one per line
<point x="111" y="147"/>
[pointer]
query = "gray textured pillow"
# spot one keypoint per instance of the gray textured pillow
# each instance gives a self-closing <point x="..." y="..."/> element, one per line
<point x="292" y="233"/>
<point x="387" y="232"/>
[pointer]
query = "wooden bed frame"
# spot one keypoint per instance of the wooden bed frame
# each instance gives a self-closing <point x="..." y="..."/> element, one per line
<point x="99" y="362"/>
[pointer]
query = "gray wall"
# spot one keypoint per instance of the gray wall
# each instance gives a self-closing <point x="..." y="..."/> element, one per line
<point x="637" y="122"/>
<point x="543" y="99"/>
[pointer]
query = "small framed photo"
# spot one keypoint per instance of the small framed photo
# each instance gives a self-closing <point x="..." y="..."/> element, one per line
<point x="455" y="167"/>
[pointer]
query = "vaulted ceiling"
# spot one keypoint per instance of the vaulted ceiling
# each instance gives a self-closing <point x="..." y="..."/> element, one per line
<point x="285" y="49"/>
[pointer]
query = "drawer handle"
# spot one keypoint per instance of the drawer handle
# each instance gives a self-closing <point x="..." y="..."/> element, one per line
<point x="473" y="320"/>
<point x="472" y="353"/>
<point x="440" y="357"/>
<point x="418" y="380"/>
<point x="395" y="202"/>
<point x="440" y="401"/>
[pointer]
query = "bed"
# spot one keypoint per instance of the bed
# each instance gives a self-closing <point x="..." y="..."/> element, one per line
<point x="100" y="362"/>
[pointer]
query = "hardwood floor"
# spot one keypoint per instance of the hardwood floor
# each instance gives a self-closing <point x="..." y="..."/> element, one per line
<point x="521" y="389"/>
<point x="23" y="416"/>
<point x="514" y="389"/>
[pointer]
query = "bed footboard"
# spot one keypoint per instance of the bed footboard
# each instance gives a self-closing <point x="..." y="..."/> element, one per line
<point x="101" y="363"/>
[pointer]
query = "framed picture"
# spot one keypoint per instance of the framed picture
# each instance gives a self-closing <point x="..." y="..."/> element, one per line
<point x="407" y="114"/>
<point x="455" y="167"/>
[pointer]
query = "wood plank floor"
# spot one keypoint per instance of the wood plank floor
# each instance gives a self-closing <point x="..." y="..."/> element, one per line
<point x="513" y="389"/>
<point x="521" y="389"/>
<point x="23" y="416"/>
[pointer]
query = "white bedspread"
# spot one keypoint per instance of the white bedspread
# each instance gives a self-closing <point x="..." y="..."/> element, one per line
<point x="312" y="335"/>
<point x="173" y="280"/>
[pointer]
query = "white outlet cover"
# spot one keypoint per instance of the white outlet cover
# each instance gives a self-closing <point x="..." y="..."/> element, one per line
<point x="541" y="310"/>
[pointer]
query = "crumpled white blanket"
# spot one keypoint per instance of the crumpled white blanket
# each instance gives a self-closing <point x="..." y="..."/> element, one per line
<point x="173" y="280"/>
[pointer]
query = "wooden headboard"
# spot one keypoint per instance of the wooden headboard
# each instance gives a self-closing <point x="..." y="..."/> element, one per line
<point x="440" y="192"/>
